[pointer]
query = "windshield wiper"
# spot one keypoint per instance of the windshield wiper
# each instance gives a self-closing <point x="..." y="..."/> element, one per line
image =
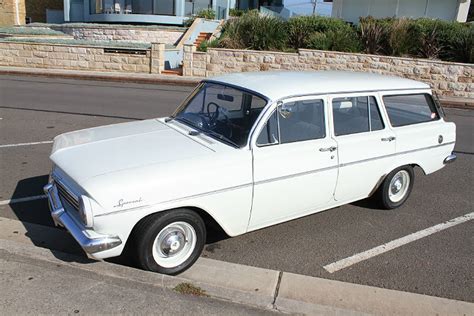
<point x="220" y="137"/>
<point x="207" y="132"/>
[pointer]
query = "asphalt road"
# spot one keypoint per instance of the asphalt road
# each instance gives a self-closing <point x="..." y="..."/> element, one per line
<point x="37" y="109"/>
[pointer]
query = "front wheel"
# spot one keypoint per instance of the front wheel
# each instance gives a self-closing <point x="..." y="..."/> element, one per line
<point x="396" y="187"/>
<point x="169" y="242"/>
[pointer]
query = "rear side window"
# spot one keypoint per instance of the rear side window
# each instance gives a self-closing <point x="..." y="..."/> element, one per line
<point x="354" y="115"/>
<point x="410" y="109"/>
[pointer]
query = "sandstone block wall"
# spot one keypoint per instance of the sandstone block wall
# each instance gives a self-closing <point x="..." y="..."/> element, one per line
<point x="71" y="57"/>
<point x="8" y="12"/>
<point x="96" y="33"/>
<point x="447" y="79"/>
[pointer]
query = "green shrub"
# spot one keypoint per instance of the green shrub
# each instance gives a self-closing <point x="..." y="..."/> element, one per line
<point x="208" y="14"/>
<point x="461" y="47"/>
<point x="236" y="12"/>
<point x="301" y="28"/>
<point x="206" y="44"/>
<point x="254" y="31"/>
<point x="338" y="40"/>
<point x="374" y="34"/>
<point x="400" y="40"/>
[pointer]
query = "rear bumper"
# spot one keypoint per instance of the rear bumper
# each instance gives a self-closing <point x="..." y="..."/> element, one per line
<point x="451" y="158"/>
<point x="61" y="217"/>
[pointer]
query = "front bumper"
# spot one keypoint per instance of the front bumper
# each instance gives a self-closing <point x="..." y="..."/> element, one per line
<point x="61" y="217"/>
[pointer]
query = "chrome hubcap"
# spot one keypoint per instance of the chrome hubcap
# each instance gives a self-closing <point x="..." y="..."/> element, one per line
<point x="399" y="186"/>
<point x="174" y="244"/>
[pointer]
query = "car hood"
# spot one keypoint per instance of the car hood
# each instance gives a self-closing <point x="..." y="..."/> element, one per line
<point x="102" y="150"/>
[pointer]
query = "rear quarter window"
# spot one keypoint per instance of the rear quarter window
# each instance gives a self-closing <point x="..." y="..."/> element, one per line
<point x="410" y="109"/>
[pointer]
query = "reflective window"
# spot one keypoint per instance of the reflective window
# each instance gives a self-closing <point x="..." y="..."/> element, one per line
<point x="354" y="115"/>
<point x="294" y="122"/>
<point x="269" y="134"/>
<point x="410" y="109"/>
<point x="222" y="112"/>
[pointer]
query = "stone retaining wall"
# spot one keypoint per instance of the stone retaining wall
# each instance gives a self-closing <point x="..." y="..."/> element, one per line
<point x="447" y="79"/>
<point x="80" y="58"/>
<point x="149" y="35"/>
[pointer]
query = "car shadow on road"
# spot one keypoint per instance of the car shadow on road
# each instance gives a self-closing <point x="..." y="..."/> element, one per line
<point x="38" y="224"/>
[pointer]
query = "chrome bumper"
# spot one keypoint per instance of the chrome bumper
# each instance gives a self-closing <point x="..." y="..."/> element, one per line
<point x="451" y="158"/>
<point x="61" y="217"/>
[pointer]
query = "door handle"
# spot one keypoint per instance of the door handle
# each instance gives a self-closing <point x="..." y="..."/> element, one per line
<point x="389" y="139"/>
<point x="330" y="149"/>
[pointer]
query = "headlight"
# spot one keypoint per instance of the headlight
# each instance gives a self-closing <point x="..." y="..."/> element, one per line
<point x="85" y="211"/>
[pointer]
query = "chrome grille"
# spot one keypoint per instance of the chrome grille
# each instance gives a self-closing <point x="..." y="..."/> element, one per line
<point x="66" y="196"/>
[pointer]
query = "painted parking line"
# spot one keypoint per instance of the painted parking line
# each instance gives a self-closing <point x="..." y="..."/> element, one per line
<point x="25" y="199"/>
<point x="27" y="144"/>
<point x="347" y="262"/>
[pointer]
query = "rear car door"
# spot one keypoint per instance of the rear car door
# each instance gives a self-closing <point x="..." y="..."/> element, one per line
<point x="365" y="142"/>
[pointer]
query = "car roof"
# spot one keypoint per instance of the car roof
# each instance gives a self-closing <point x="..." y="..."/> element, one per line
<point x="277" y="85"/>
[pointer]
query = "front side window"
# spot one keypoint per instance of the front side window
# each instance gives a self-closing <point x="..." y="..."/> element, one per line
<point x="410" y="109"/>
<point x="354" y="115"/>
<point x="294" y="122"/>
<point x="222" y="112"/>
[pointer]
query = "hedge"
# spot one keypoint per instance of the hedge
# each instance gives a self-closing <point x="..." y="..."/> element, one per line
<point x="420" y="38"/>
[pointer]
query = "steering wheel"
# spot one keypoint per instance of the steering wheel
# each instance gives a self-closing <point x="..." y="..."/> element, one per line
<point x="213" y="118"/>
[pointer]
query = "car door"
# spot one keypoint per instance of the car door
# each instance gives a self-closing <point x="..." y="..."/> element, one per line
<point x="294" y="161"/>
<point x="365" y="144"/>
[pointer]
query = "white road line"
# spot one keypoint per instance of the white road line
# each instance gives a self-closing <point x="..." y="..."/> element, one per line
<point x="26" y="144"/>
<point x="347" y="262"/>
<point x="25" y="199"/>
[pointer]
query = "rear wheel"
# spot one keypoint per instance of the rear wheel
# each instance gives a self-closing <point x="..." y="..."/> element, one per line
<point x="169" y="242"/>
<point x="396" y="187"/>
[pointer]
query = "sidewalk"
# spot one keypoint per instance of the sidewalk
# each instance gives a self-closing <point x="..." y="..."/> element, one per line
<point x="454" y="102"/>
<point x="49" y="286"/>
<point x="105" y="286"/>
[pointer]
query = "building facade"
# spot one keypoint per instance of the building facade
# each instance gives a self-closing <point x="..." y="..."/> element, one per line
<point x="141" y="11"/>
<point x="451" y="10"/>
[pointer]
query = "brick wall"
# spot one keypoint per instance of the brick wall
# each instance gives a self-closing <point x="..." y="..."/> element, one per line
<point x="8" y="12"/>
<point x="77" y="58"/>
<point x="448" y="79"/>
<point x="122" y="33"/>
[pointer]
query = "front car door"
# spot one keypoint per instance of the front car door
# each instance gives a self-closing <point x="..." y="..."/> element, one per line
<point x="294" y="161"/>
<point x="366" y="144"/>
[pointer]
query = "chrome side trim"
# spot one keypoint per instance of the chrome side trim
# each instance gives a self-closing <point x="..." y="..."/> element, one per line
<point x="450" y="159"/>
<point x="61" y="217"/>
<point x="305" y="173"/>
<point x="279" y="178"/>
<point x="393" y="155"/>
<point x="181" y="199"/>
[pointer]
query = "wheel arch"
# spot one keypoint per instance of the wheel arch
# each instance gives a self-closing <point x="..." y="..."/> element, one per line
<point x="209" y="221"/>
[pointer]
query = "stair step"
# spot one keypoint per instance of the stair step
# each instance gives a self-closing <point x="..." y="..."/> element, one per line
<point x="176" y="72"/>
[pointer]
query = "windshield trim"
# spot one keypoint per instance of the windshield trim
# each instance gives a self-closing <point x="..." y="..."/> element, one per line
<point x="211" y="135"/>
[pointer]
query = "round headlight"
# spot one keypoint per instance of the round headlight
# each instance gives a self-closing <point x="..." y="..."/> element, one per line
<point x="85" y="211"/>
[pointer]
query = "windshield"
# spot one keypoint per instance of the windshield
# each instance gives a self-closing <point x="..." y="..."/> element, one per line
<point x="222" y="112"/>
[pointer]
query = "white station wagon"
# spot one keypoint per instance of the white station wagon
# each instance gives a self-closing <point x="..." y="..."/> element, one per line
<point x="244" y="151"/>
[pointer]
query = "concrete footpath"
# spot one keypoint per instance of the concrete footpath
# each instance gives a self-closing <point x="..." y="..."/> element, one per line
<point x="455" y="102"/>
<point x="64" y="283"/>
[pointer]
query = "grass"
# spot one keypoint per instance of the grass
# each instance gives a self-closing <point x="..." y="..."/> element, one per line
<point x="189" y="289"/>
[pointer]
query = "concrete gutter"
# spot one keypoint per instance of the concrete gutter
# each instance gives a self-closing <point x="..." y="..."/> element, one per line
<point x="101" y="76"/>
<point x="263" y="288"/>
